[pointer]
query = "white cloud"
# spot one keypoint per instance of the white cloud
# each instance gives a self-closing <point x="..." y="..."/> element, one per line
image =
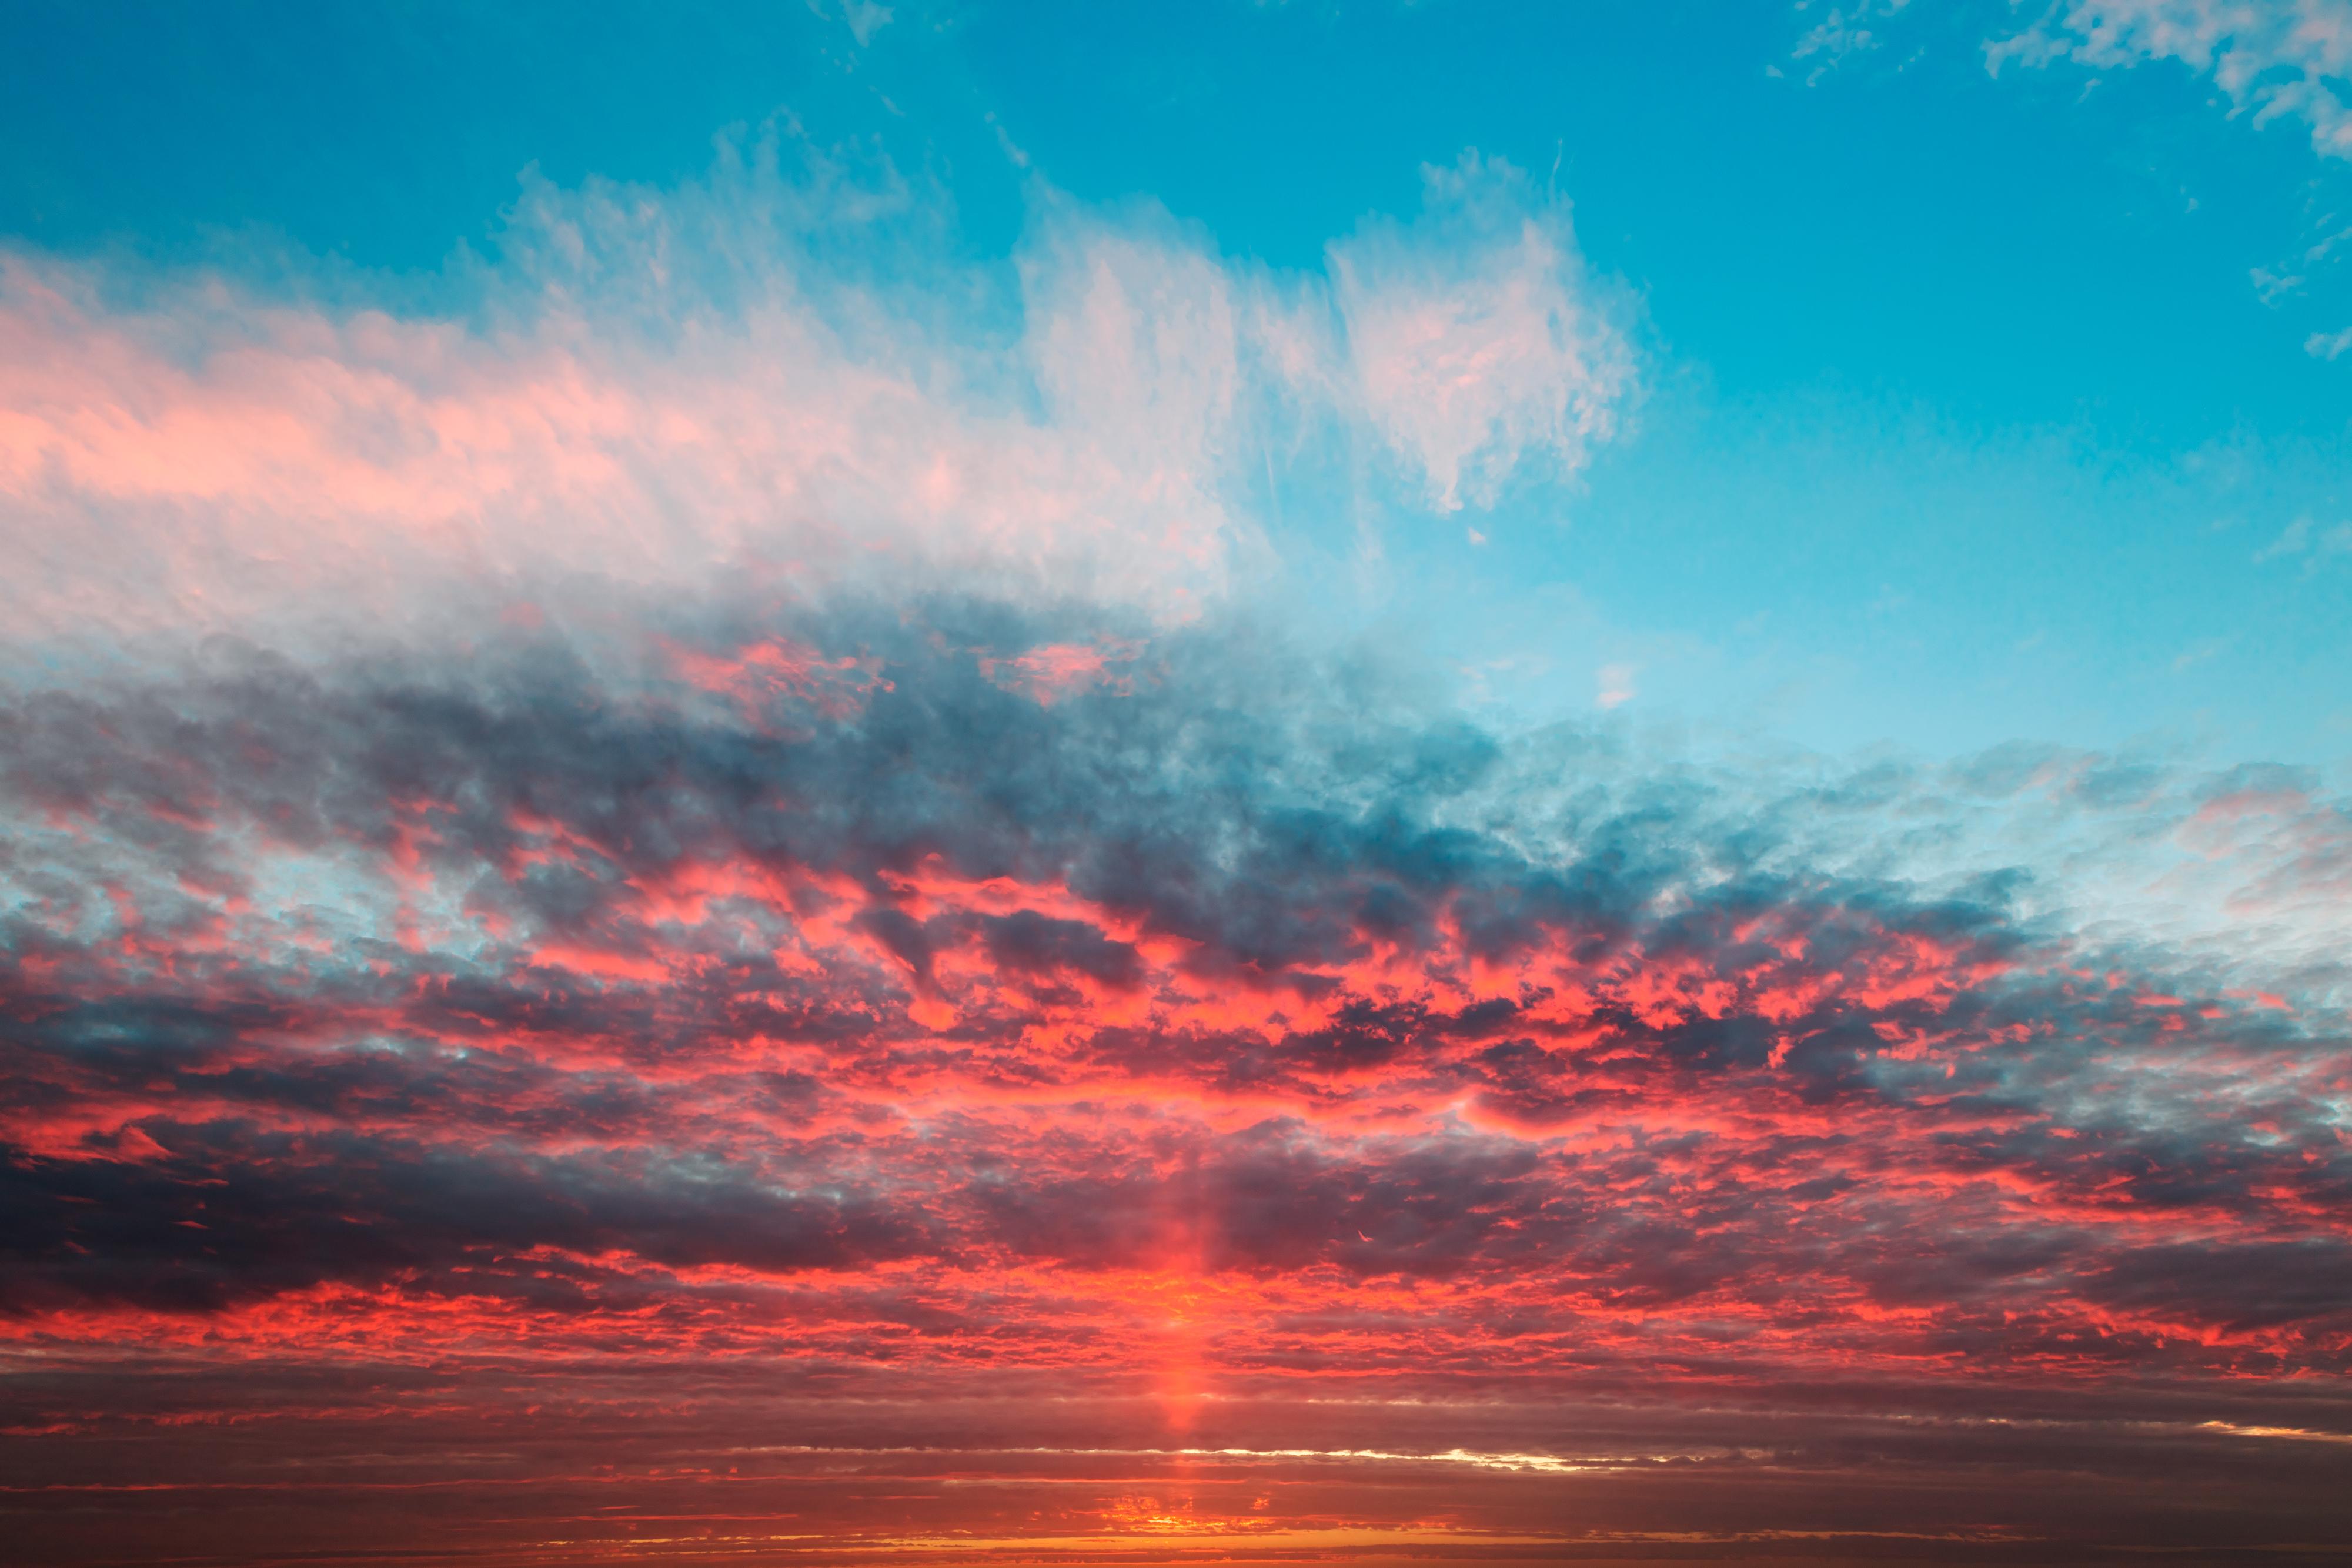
<point x="1841" y="33"/>
<point x="2292" y="541"/>
<point x="2297" y="539"/>
<point x="2273" y="57"/>
<point x="2328" y="345"/>
<point x="2271" y="287"/>
<point x="865" y="17"/>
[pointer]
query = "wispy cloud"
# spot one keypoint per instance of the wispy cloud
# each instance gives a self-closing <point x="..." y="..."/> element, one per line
<point x="781" y="372"/>
<point x="1475" y="343"/>
<point x="1841" y="32"/>
<point x="1614" y="686"/>
<point x="2300" y="538"/>
<point x="2328" y="345"/>
<point x="2276" y="58"/>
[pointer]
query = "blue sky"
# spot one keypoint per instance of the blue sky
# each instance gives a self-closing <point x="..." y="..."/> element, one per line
<point x="1962" y="412"/>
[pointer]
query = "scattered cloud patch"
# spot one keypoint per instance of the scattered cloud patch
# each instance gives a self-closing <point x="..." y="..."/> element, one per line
<point x="1841" y="33"/>
<point x="2328" y="345"/>
<point x="2300" y="538"/>
<point x="2273" y="60"/>
<point x="864" y="17"/>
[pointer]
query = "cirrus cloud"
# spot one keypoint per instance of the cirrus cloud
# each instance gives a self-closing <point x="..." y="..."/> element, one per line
<point x="782" y="372"/>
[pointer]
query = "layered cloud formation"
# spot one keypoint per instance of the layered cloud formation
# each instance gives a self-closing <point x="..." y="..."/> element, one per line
<point x="831" y="965"/>
<point x="936" y="989"/>
<point x="707" y="846"/>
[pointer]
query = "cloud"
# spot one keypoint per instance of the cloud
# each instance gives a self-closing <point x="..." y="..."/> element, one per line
<point x="1842" y="32"/>
<point x="2275" y="58"/>
<point x="1059" y="670"/>
<point x="2294" y="539"/>
<point x="480" y="981"/>
<point x="1614" y="685"/>
<point x="1474" y="341"/>
<point x="865" y="17"/>
<point x="785" y="919"/>
<point x="783" y="373"/>
<point x="886" y="1025"/>
<point x="2328" y="345"/>
<point x="215" y="458"/>
<point x="2297" y="539"/>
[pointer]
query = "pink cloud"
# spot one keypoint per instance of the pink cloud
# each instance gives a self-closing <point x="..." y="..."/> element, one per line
<point x="1474" y="340"/>
<point x="668" y="392"/>
<point x="217" y="459"/>
<point x="1059" y="670"/>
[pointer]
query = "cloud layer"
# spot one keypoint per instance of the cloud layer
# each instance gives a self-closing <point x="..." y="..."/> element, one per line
<point x="890" y="990"/>
<point x="784" y="372"/>
<point x="683" y="871"/>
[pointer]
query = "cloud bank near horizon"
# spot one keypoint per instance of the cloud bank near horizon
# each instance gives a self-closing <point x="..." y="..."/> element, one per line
<point x="1172" y="1025"/>
<point x="865" y="955"/>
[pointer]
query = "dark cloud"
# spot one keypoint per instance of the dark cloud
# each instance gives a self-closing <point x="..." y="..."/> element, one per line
<point x="446" y="1005"/>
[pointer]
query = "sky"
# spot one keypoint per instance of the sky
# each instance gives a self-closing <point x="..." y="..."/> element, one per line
<point x="1249" y="782"/>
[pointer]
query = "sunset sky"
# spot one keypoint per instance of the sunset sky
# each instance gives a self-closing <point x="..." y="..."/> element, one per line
<point x="1333" y="782"/>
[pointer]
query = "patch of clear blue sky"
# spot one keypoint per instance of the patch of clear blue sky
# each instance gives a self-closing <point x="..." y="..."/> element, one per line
<point x="1967" y="421"/>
